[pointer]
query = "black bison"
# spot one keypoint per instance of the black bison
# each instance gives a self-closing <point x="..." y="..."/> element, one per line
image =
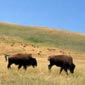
<point x="63" y="61"/>
<point x="21" y="59"/>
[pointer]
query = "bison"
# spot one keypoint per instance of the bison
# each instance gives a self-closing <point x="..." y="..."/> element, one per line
<point x="63" y="61"/>
<point x="21" y="59"/>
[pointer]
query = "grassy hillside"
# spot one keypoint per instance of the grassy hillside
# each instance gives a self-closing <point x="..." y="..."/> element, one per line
<point x="43" y="36"/>
<point x="42" y="42"/>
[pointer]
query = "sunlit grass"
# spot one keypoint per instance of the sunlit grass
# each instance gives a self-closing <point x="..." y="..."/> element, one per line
<point x="44" y="36"/>
<point x="42" y="39"/>
<point x="41" y="75"/>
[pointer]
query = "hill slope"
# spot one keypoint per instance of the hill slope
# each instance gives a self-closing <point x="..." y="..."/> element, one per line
<point x="42" y="36"/>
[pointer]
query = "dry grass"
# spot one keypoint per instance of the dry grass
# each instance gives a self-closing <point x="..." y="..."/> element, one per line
<point x="39" y="75"/>
<point x="41" y="43"/>
<point x="42" y="36"/>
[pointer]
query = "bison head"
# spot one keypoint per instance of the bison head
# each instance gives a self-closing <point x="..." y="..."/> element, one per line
<point x="72" y="67"/>
<point x="34" y="62"/>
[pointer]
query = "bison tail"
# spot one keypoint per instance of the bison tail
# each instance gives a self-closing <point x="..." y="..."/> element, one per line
<point x="6" y="57"/>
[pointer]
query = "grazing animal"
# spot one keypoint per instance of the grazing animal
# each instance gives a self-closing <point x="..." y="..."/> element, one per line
<point x="63" y="61"/>
<point x="21" y="59"/>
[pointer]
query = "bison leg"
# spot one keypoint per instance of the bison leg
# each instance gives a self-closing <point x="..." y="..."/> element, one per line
<point x="19" y="67"/>
<point x="61" y="70"/>
<point x="65" y="69"/>
<point x="50" y="66"/>
<point x="25" y="67"/>
<point x="9" y="65"/>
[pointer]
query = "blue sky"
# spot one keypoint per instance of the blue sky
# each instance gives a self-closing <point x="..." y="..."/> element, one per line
<point x="61" y="14"/>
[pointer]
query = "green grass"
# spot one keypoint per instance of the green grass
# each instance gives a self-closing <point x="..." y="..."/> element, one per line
<point x="42" y="36"/>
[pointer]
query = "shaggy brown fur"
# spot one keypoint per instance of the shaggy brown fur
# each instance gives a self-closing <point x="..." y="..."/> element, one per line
<point x="21" y="59"/>
<point x="63" y="61"/>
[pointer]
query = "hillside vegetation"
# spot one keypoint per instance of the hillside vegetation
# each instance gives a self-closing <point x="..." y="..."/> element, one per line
<point x="42" y="36"/>
<point x="40" y="42"/>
